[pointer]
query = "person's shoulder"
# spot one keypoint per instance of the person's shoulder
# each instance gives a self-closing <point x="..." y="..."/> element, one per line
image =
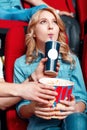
<point x="74" y="56"/>
<point x="21" y="60"/>
<point x="75" y="60"/>
<point x="23" y="57"/>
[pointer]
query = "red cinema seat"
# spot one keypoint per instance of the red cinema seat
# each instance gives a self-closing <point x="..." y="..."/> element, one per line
<point x="13" y="49"/>
<point x="82" y="14"/>
<point x="63" y="5"/>
<point x="5" y="25"/>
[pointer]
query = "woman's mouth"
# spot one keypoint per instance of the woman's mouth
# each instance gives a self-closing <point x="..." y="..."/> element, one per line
<point x="50" y="36"/>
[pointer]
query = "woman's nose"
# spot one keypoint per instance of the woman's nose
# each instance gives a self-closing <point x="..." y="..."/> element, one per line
<point x="50" y="25"/>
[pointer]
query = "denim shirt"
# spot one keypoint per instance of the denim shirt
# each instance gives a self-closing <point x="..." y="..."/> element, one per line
<point x="8" y="4"/>
<point x="67" y="71"/>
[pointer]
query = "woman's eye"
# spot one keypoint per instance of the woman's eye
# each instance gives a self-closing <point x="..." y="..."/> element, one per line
<point x="44" y="21"/>
<point x="55" y="21"/>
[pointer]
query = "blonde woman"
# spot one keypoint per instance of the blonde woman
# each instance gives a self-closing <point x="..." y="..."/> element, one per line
<point x="43" y="24"/>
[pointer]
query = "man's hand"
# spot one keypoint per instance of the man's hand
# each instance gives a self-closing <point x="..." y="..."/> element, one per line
<point x="37" y="92"/>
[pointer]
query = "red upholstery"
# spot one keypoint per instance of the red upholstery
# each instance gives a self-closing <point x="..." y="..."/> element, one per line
<point x="82" y="14"/>
<point x="7" y="24"/>
<point x="65" y="5"/>
<point x="14" y="47"/>
<point x="14" y="122"/>
<point x="26" y="5"/>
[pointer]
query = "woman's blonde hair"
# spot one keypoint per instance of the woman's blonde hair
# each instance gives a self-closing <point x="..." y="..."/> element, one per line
<point x="32" y="50"/>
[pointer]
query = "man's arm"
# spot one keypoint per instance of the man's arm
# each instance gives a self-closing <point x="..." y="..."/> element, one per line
<point x="30" y="91"/>
<point x="35" y="2"/>
<point x="6" y="98"/>
<point x="6" y="102"/>
<point x="11" y="93"/>
<point x="38" y="2"/>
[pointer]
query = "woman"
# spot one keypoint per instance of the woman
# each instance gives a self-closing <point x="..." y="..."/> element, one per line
<point x="45" y="23"/>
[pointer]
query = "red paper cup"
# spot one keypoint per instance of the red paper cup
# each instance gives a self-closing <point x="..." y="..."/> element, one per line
<point x="62" y="87"/>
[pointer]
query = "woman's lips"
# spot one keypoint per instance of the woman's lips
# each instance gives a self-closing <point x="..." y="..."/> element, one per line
<point x="50" y="36"/>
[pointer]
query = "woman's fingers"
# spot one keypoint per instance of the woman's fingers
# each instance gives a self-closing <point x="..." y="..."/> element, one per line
<point x="51" y="114"/>
<point x="47" y="112"/>
<point x="44" y="117"/>
<point x="44" y="111"/>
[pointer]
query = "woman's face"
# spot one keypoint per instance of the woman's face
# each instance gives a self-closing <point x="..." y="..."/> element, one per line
<point x="46" y="29"/>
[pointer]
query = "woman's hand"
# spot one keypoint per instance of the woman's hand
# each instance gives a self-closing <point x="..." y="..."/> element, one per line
<point x="37" y="92"/>
<point x="65" y="107"/>
<point x="39" y="72"/>
<point x="43" y="111"/>
<point x="66" y="13"/>
<point x="61" y="111"/>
